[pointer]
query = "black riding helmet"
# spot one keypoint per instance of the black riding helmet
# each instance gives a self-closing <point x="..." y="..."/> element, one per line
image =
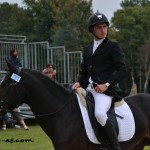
<point x="97" y="18"/>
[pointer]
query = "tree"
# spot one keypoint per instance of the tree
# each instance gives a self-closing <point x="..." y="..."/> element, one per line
<point x="71" y="23"/>
<point x="132" y="3"/>
<point x="61" y="22"/>
<point x="144" y="63"/>
<point x="40" y="15"/>
<point x="132" y="26"/>
<point x="10" y="15"/>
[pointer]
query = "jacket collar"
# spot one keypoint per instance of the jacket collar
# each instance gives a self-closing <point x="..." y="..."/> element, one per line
<point x="101" y="46"/>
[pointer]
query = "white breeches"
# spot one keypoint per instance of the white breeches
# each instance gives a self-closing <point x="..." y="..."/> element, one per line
<point x="102" y="105"/>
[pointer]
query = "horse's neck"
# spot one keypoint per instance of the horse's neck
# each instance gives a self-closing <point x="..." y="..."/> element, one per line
<point x="49" y="102"/>
<point x="44" y="94"/>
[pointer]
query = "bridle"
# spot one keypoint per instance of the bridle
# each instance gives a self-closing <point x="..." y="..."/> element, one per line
<point x="37" y="115"/>
<point x="3" y="104"/>
<point x="16" y="86"/>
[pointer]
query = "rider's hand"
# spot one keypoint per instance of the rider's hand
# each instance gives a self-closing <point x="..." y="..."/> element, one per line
<point x="100" y="88"/>
<point x="75" y="86"/>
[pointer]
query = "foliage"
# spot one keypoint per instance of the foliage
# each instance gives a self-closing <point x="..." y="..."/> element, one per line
<point x="144" y="61"/>
<point x="40" y="15"/>
<point x="132" y="26"/>
<point x="9" y="21"/>
<point x="71" y="23"/>
<point x="132" y="3"/>
<point x="61" y="22"/>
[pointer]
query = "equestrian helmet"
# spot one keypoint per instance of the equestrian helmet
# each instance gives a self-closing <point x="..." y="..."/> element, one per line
<point x="95" y="19"/>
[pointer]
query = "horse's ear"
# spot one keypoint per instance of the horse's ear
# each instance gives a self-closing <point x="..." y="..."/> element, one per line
<point x="11" y="68"/>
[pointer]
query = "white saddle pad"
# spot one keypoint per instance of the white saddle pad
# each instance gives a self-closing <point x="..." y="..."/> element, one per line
<point x="126" y="125"/>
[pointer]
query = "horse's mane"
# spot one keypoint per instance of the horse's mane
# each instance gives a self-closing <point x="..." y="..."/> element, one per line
<point x="46" y="80"/>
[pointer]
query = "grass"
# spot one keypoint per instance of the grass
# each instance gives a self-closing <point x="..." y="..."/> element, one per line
<point x="35" y="134"/>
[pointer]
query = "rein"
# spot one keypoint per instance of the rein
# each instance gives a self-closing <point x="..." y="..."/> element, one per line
<point x="38" y="115"/>
<point x="19" y="97"/>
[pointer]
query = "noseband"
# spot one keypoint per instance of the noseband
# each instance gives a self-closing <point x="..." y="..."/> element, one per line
<point x="3" y="104"/>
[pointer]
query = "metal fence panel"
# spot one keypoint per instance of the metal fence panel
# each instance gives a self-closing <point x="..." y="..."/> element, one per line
<point x="5" y="48"/>
<point x="73" y="61"/>
<point x="37" y="55"/>
<point x="57" y="58"/>
<point x="67" y="64"/>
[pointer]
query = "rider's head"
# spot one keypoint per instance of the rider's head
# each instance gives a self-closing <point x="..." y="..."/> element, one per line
<point x="97" y="20"/>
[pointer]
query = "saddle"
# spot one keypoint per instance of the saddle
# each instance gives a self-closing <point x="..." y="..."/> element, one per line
<point x="98" y="129"/>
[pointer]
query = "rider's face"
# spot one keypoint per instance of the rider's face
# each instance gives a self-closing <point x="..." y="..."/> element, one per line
<point x="100" y="30"/>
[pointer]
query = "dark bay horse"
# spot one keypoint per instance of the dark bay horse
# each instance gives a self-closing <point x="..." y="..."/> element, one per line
<point x="58" y="112"/>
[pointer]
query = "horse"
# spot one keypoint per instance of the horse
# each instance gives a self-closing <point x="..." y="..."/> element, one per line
<point x="57" y="110"/>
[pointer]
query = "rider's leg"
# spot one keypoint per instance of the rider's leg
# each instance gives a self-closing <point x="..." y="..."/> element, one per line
<point x="112" y="135"/>
<point x="102" y="105"/>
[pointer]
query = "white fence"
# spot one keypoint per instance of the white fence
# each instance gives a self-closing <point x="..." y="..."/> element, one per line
<point x="37" y="54"/>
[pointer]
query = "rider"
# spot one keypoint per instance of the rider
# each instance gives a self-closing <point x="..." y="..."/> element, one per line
<point x="102" y="68"/>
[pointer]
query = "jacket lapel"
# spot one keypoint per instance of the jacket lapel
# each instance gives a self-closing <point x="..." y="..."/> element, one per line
<point x="101" y="46"/>
<point x="91" y="50"/>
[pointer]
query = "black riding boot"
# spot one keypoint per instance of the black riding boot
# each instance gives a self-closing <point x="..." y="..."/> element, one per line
<point x="112" y="135"/>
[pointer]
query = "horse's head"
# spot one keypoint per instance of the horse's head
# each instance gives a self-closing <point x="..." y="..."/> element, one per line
<point x="33" y="89"/>
<point x="12" y="93"/>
